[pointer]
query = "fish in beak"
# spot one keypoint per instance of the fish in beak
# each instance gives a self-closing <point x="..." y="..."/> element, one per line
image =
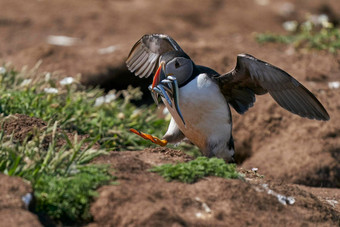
<point x="166" y="88"/>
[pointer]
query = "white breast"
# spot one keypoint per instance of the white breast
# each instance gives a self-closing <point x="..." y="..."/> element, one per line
<point x="205" y="112"/>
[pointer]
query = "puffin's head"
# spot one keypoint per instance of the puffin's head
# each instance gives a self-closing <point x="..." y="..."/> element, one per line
<point x="174" y="63"/>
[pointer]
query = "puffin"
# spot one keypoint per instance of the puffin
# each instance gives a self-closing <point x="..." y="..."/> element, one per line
<point x="199" y="99"/>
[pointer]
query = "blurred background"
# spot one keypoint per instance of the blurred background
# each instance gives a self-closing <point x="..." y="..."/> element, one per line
<point x="94" y="37"/>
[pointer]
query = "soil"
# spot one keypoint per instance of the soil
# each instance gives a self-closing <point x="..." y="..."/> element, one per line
<point x="13" y="211"/>
<point x="22" y="127"/>
<point x="298" y="157"/>
<point x="143" y="198"/>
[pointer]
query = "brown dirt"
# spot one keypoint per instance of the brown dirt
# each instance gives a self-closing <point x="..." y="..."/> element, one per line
<point x="23" y="127"/>
<point x="301" y="154"/>
<point x="13" y="211"/>
<point x="143" y="198"/>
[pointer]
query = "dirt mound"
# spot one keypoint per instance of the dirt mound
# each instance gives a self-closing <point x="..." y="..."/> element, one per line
<point x="173" y="155"/>
<point x="293" y="149"/>
<point x="23" y="127"/>
<point x="143" y="198"/>
<point x="130" y="161"/>
<point x="13" y="211"/>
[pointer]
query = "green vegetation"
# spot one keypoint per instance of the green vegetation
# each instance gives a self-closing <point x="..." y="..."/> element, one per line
<point x="64" y="182"/>
<point x="192" y="171"/>
<point x="105" y="118"/>
<point x="68" y="197"/>
<point x="307" y="35"/>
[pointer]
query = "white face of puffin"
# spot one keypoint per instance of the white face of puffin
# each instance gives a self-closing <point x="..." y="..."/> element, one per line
<point x="181" y="68"/>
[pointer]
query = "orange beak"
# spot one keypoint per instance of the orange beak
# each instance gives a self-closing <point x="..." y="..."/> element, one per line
<point x="156" y="78"/>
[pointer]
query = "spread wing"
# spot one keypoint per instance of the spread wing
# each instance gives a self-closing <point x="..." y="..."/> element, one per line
<point x="252" y="76"/>
<point x="144" y="55"/>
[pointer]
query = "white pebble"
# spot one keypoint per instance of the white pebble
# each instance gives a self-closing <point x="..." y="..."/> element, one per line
<point x="27" y="199"/>
<point x="334" y="85"/>
<point x="107" y="50"/>
<point x="262" y="2"/>
<point x="59" y="40"/>
<point x="199" y="215"/>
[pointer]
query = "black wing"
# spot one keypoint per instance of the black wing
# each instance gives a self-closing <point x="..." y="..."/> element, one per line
<point x="144" y="55"/>
<point x="252" y="76"/>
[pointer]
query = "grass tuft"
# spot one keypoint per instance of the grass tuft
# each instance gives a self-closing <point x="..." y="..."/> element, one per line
<point x="67" y="197"/>
<point x="64" y="182"/>
<point x="200" y="167"/>
<point x="307" y="35"/>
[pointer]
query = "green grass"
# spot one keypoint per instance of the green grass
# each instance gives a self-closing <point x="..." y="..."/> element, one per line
<point x="307" y="36"/>
<point x="71" y="202"/>
<point x="63" y="180"/>
<point x="194" y="170"/>
<point x="75" y="110"/>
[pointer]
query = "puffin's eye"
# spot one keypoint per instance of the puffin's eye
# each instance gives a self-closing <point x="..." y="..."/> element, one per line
<point x="177" y="64"/>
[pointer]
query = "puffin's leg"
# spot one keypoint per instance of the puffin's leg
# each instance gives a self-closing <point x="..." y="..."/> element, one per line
<point x="154" y="139"/>
<point x="173" y="134"/>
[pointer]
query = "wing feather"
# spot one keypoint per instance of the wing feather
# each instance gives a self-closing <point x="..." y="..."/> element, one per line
<point x="253" y="76"/>
<point x="144" y="55"/>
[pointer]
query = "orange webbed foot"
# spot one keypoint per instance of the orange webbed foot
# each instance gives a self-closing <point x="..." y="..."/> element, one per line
<point x="153" y="139"/>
